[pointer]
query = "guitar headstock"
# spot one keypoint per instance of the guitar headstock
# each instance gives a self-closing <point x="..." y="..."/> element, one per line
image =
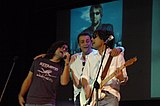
<point x="130" y="61"/>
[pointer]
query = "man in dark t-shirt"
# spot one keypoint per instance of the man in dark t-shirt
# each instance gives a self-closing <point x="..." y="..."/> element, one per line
<point x="44" y="76"/>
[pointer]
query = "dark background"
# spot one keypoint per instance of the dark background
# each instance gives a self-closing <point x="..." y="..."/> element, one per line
<point x="29" y="27"/>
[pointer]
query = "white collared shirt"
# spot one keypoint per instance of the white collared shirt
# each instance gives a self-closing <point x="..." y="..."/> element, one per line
<point x="77" y="67"/>
<point x="92" y="67"/>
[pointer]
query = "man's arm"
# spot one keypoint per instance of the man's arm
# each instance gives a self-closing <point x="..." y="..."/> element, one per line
<point x="86" y="87"/>
<point x="41" y="55"/>
<point x="24" y="88"/>
<point x="76" y="81"/>
<point x="122" y="74"/>
<point x="116" y="51"/>
<point x="121" y="78"/>
<point x="65" y="77"/>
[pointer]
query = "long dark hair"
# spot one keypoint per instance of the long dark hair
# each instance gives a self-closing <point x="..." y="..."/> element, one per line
<point x="51" y="51"/>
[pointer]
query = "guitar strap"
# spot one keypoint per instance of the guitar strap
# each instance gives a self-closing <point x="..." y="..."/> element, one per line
<point x="104" y="73"/>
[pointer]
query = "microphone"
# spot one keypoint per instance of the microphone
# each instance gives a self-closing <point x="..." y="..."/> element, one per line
<point x="65" y="57"/>
<point x="109" y="39"/>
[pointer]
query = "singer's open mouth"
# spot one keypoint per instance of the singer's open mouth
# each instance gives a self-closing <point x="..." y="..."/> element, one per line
<point x="61" y="52"/>
<point x="86" y="47"/>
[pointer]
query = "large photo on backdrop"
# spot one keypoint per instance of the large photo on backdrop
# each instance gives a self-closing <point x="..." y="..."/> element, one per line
<point x="107" y="16"/>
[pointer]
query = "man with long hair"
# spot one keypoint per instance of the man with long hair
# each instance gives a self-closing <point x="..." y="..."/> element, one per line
<point x="44" y="76"/>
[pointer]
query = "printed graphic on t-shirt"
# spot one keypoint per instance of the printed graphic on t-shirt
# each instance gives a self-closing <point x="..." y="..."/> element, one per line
<point x="46" y="71"/>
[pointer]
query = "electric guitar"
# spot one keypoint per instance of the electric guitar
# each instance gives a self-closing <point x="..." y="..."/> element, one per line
<point x="84" y="101"/>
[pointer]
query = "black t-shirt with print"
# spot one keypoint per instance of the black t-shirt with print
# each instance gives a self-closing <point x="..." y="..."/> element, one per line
<point x="46" y="75"/>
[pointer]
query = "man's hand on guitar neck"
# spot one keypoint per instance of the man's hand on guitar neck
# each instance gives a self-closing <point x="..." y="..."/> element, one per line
<point x="120" y="77"/>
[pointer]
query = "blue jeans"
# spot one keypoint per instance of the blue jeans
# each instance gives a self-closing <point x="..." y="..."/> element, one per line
<point x="39" y="105"/>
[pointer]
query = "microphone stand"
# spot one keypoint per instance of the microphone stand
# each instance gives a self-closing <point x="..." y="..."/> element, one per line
<point x="14" y="61"/>
<point x="96" y="84"/>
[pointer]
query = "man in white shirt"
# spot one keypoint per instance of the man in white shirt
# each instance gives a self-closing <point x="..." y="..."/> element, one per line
<point x="78" y="62"/>
<point x="112" y="87"/>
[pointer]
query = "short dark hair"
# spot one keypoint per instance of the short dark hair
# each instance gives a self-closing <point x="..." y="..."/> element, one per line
<point x="104" y="34"/>
<point x="83" y="34"/>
